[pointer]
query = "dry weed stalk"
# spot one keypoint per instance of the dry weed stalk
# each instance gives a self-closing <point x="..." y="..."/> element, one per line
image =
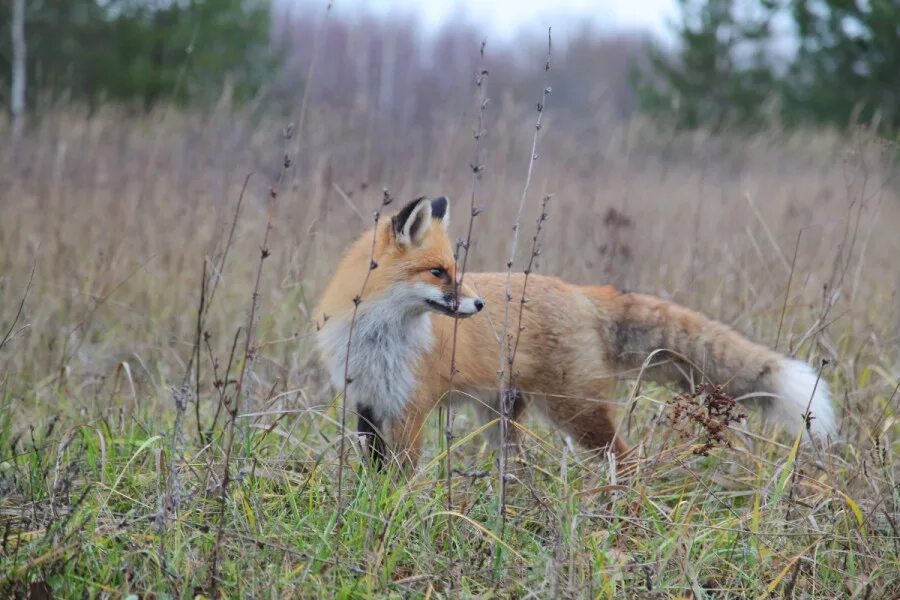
<point x="513" y="395"/>
<point x="505" y="372"/>
<point x="241" y="386"/>
<point x="787" y="291"/>
<point x="170" y="497"/>
<point x="206" y="301"/>
<point x="535" y="252"/>
<point x="233" y="408"/>
<point x="386" y="199"/>
<point x="10" y="333"/>
<point x="463" y="245"/>
<point x="857" y="204"/>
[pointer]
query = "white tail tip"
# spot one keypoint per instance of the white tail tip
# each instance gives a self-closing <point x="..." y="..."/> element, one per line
<point x="795" y="384"/>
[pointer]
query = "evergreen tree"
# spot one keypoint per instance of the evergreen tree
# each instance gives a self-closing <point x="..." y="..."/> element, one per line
<point x="143" y="50"/>
<point x="847" y="67"/>
<point x="718" y="76"/>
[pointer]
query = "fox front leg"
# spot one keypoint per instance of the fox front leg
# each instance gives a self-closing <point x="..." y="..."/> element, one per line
<point x="370" y="431"/>
<point x="407" y="430"/>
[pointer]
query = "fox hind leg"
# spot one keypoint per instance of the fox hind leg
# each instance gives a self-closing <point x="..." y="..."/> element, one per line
<point x="491" y="411"/>
<point x="587" y="414"/>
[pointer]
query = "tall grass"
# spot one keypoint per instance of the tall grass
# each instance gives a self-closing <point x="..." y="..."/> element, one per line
<point x="109" y="486"/>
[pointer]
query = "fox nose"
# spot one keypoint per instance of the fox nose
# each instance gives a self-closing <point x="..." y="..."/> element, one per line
<point x="479" y="304"/>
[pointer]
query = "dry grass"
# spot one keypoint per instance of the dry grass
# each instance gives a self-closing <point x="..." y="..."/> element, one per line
<point x="119" y="214"/>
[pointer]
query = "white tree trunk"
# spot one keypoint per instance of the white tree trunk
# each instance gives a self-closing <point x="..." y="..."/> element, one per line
<point x="17" y="102"/>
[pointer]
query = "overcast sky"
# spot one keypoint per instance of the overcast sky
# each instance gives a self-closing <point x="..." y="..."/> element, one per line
<point x="502" y="19"/>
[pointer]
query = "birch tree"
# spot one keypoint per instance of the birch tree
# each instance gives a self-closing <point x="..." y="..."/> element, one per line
<point x="17" y="96"/>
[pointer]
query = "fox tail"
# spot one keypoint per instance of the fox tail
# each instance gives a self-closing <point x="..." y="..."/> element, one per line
<point x="789" y="392"/>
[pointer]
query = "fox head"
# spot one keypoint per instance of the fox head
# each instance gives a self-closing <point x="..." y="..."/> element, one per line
<point x="411" y="268"/>
<point x="420" y="248"/>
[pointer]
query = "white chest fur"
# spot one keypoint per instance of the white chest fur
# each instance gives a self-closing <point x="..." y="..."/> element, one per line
<point x="386" y="345"/>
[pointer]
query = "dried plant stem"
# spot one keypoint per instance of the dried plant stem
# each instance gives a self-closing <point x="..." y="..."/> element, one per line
<point x="233" y="409"/>
<point x="12" y="326"/>
<point x="357" y="300"/>
<point x="228" y="243"/>
<point x="807" y="415"/>
<point x="831" y="291"/>
<point x="462" y="246"/>
<point x="195" y="355"/>
<point x="508" y="397"/>
<point x="787" y="290"/>
<point x="222" y="384"/>
<point x="535" y="252"/>
<point x="505" y="371"/>
<point x="205" y="304"/>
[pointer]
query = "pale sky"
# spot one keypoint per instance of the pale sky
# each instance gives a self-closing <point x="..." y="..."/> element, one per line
<point x="502" y="19"/>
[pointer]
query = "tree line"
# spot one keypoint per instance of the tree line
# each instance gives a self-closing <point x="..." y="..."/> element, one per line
<point x="796" y="62"/>
<point x="142" y="51"/>
<point x="735" y="64"/>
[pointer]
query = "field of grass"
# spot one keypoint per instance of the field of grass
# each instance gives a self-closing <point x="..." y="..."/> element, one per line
<point x="166" y="429"/>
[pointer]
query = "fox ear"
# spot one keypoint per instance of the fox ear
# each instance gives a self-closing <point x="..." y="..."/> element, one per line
<point x="412" y="222"/>
<point x="440" y="210"/>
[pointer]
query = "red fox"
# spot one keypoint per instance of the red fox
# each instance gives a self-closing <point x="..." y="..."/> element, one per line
<point x="574" y="342"/>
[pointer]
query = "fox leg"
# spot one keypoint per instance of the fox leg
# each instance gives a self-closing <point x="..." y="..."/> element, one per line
<point x="407" y="430"/>
<point x="488" y="412"/>
<point x="371" y="432"/>
<point x="588" y="416"/>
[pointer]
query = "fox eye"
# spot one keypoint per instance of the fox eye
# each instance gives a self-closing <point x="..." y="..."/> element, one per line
<point x="439" y="272"/>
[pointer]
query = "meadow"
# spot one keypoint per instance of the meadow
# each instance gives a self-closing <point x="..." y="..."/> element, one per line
<point x="166" y="429"/>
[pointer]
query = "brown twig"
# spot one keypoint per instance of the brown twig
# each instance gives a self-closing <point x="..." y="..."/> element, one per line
<point x="195" y="355"/>
<point x="357" y="300"/>
<point x="233" y="410"/>
<point x="204" y="307"/>
<point x="463" y="245"/>
<point x="12" y="326"/>
<point x="504" y="374"/>
<point x="535" y="252"/>
<point x="233" y="407"/>
<point x="787" y="291"/>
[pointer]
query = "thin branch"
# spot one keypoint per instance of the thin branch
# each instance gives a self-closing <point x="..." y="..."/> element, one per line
<point x="221" y="268"/>
<point x="357" y="300"/>
<point x="12" y="326"/>
<point x="233" y="410"/>
<point x="787" y="291"/>
<point x="249" y="353"/>
<point x="206" y="303"/>
<point x="535" y="252"/>
<point x="195" y="356"/>
<point x="477" y="169"/>
<point x="504" y="373"/>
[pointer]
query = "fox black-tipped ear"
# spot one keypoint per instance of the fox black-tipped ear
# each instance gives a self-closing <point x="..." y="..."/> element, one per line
<point x="440" y="210"/>
<point x="412" y="222"/>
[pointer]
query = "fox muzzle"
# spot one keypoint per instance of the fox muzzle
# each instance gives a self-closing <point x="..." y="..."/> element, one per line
<point x="455" y="307"/>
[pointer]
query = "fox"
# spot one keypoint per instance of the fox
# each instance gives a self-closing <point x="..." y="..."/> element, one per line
<point x="385" y="330"/>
